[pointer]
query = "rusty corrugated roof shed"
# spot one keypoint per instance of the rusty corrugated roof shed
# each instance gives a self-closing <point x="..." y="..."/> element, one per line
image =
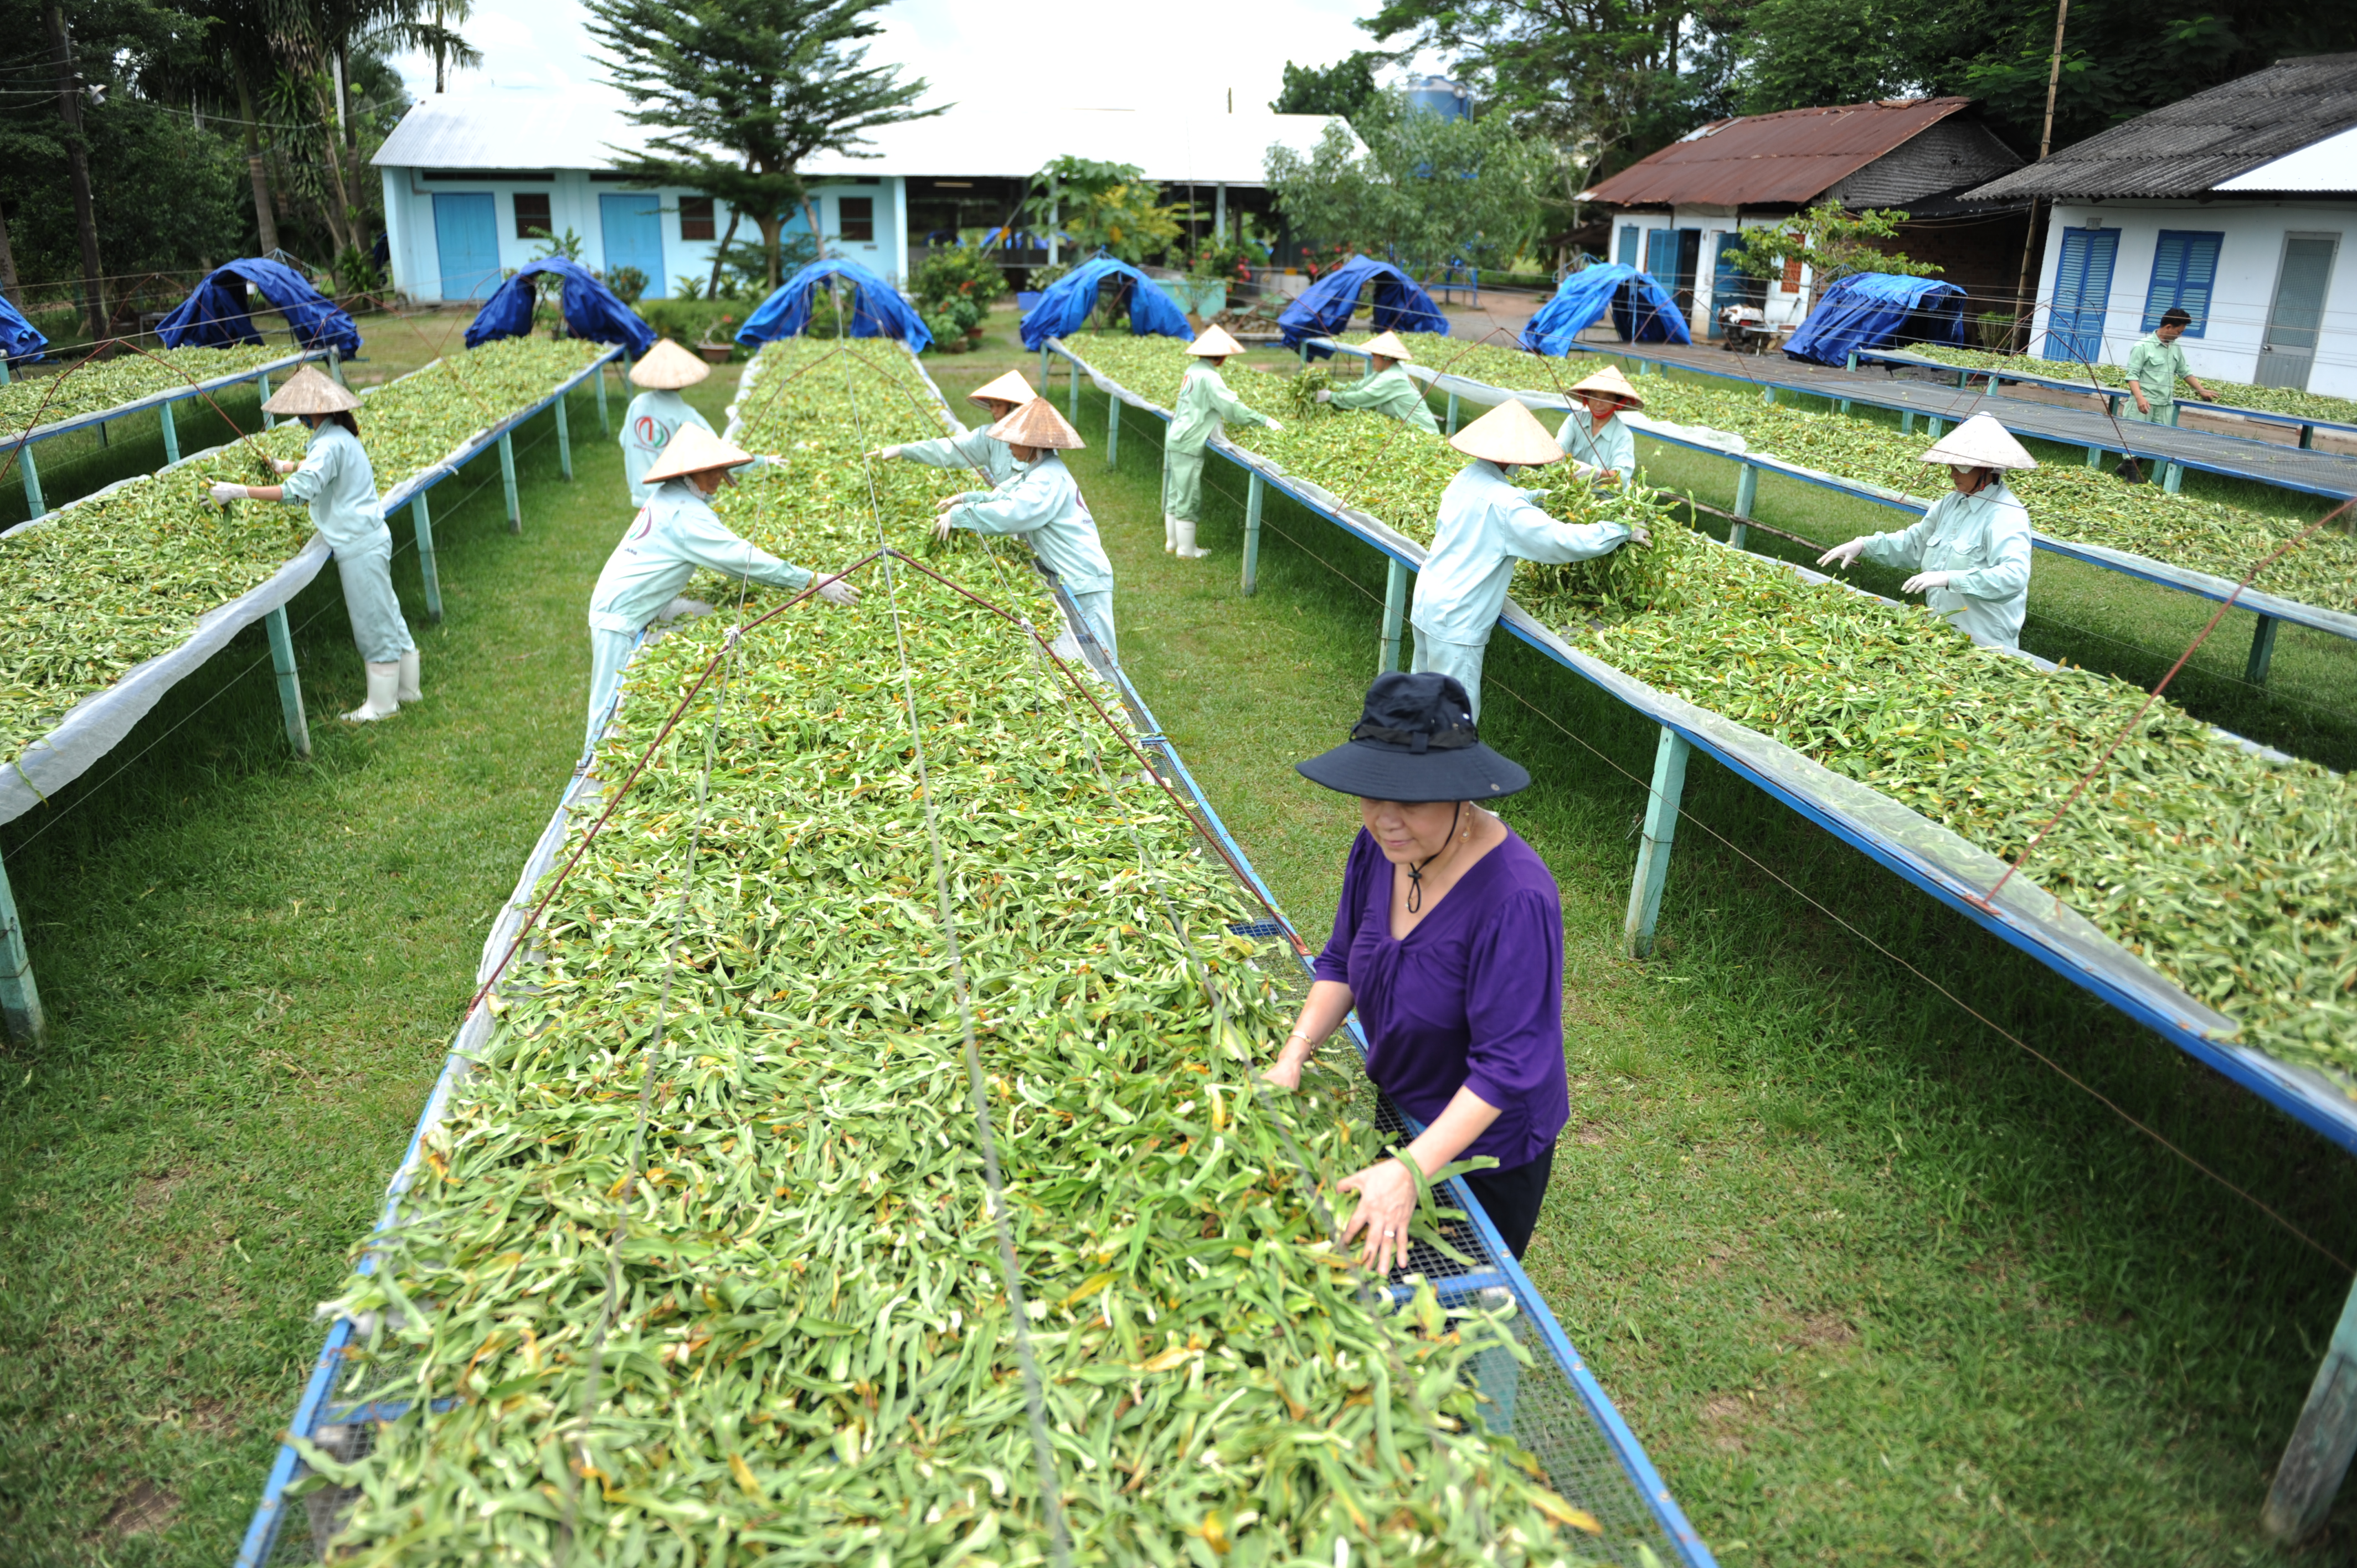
<point x="2190" y="146"/>
<point x="1787" y="158"/>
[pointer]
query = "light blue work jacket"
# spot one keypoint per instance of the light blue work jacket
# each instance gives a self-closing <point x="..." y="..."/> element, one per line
<point x="339" y="481"/>
<point x="1043" y="502"/>
<point x="653" y="418"/>
<point x="1984" y="539"/>
<point x="1487" y="524"/>
<point x="675" y="532"/>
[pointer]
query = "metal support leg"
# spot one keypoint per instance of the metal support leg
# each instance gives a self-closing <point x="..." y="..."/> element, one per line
<point x="262" y="381"/>
<point x="104" y="438"/>
<point x="20" y="999"/>
<point x="4" y="369"/>
<point x="290" y="688"/>
<point x="1253" y="493"/>
<point x="507" y="481"/>
<point x="2307" y="435"/>
<point x="1452" y="414"/>
<point x="1043" y="367"/>
<point x="563" y="440"/>
<point x="2095" y="456"/>
<point x="1906" y="422"/>
<point x="603" y="427"/>
<point x="33" y="506"/>
<point x="2263" y="650"/>
<point x="1850" y="361"/>
<point x="1394" y="611"/>
<point x="171" y="434"/>
<point x="1766" y="394"/>
<point x="2172" y="476"/>
<point x="1072" y="394"/>
<point x="336" y="367"/>
<point x="1845" y="404"/>
<point x="2317" y="1456"/>
<point x="423" y="521"/>
<point x="1112" y="433"/>
<point x="1931" y="425"/>
<point x="1746" y="492"/>
<point x="1653" y="852"/>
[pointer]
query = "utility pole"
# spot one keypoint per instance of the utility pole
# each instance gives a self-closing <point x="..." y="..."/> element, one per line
<point x="78" y="166"/>
<point x="2045" y="146"/>
<point x="8" y="290"/>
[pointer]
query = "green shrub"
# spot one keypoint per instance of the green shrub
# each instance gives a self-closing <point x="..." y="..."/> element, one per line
<point x="628" y="283"/>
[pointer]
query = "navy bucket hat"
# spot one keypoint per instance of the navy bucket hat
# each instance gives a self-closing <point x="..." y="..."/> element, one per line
<point x="1415" y="742"/>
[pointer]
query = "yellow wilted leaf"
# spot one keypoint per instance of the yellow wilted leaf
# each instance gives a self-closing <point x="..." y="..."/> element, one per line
<point x="1087" y="1288"/>
<point x="1562" y="1512"/>
<point x="744" y="1474"/>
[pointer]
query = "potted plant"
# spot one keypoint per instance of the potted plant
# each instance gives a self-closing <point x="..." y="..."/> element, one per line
<point x="717" y="352"/>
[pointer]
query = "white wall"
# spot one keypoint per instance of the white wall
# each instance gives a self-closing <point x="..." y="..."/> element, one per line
<point x="2248" y="259"/>
<point x="1782" y="306"/>
<point x="573" y="204"/>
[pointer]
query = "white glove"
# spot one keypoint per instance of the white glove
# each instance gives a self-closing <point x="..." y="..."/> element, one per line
<point x="1841" y="555"/>
<point x="225" y="494"/>
<point x="285" y="465"/>
<point x="1272" y="424"/>
<point x="1924" y="582"/>
<point x="941" y="526"/>
<point x="1324" y="395"/>
<point x="886" y="453"/>
<point x="836" y="591"/>
<point x="1638" y="534"/>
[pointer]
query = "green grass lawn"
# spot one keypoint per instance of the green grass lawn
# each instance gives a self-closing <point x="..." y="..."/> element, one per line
<point x="1872" y="1286"/>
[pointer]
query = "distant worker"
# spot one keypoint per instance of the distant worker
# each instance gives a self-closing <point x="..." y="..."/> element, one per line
<point x="2155" y="367"/>
<point x="1386" y="388"/>
<point x="337" y="480"/>
<point x="1043" y="502"/>
<point x="1486" y="524"/>
<point x="656" y="414"/>
<point x="1970" y="552"/>
<point x="675" y="532"/>
<point x="1205" y="403"/>
<point x="1592" y="432"/>
<point x="977" y="451"/>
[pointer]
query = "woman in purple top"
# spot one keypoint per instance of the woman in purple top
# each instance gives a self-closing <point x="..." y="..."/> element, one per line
<point x="1449" y="943"/>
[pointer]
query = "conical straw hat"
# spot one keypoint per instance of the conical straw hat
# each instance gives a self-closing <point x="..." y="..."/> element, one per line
<point x="1508" y="433"/>
<point x="1213" y="343"/>
<point x="1008" y="387"/>
<point x="1980" y="442"/>
<point x="1388" y="345"/>
<point x="692" y="450"/>
<point x="307" y="391"/>
<point x="1036" y="423"/>
<point x="667" y="367"/>
<point x="1610" y="381"/>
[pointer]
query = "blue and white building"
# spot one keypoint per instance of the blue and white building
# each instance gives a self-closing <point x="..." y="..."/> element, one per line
<point x="2238" y="204"/>
<point x="467" y="179"/>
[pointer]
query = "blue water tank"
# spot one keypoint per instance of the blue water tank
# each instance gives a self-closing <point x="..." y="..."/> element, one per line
<point x="1437" y="95"/>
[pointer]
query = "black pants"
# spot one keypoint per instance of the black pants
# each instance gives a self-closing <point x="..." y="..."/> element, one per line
<point x="1511" y="1199"/>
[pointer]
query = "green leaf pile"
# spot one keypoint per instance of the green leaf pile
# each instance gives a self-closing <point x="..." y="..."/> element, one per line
<point x="102" y="384"/>
<point x="811" y="1357"/>
<point x="2234" y="876"/>
<point x="2242" y="394"/>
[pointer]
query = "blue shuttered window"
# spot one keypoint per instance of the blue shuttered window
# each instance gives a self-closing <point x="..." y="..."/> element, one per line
<point x="2184" y="267"/>
<point x="2082" y="290"/>
<point x="1662" y="256"/>
<point x="1628" y="244"/>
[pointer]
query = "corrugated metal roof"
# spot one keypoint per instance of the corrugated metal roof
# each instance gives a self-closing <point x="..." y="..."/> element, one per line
<point x="574" y="131"/>
<point x="2197" y="144"/>
<point x="1790" y="157"/>
<point x="2322" y="166"/>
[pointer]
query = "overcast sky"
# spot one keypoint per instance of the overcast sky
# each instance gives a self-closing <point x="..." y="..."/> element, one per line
<point x="1124" y="57"/>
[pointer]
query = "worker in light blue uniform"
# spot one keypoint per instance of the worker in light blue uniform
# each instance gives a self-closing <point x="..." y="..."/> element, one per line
<point x="1592" y="432"/>
<point x="338" y="482"/>
<point x="1385" y="388"/>
<point x="1205" y="405"/>
<point x="658" y="413"/>
<point x="1970" y="554"/>
<point x="977" y="451"/>
<point x="1486" y="524"/>
<point x="1043" y="502"/>
<point x="675" y="532"/>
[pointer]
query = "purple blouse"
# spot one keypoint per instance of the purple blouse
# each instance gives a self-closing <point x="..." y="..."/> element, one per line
<point x="1472" y="999"/>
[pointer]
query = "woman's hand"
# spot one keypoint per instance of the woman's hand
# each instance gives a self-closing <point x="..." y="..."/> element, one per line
<point x="886" y="453"/>
<point x="1387" y="1203"/>
<point x="225" y="494"/>
<point x="1841" y="555"/>
<point x="285" y="465"/>
<point x="1924" y="582"/>
<point x="941" y="526"/>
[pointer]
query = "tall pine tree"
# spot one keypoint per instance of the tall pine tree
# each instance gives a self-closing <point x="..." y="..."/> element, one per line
<point x="743" y="91"/>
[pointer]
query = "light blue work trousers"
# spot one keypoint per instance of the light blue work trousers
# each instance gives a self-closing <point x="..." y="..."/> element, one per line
<point x="1462" y="660"/>
<point x="377" y="628"/>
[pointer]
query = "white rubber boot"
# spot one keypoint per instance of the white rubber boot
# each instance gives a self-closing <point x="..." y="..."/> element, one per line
<point x="384" y="684"/>
<point x="1185" y="549"/>
<point x="408" y="690"/>
<point x="1169" y="533"/>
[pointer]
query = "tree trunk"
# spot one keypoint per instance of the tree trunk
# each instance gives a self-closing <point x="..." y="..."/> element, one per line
<point x="818" y="240"/>
<point x="78" y="165"/>
<point x="771" y="226"/>
<point x="340" y="211"/>
<point x="718" y="256"/>
<point x="265" y="221"/>
<point x="8" y="290"/>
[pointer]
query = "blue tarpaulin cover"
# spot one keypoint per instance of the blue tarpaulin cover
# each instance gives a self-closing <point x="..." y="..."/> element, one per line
<point x="1324" y="308"/>
<point x="1642" y="311"/>
<point x="1877" y="310"/>
<point x="19" y="340"/>
<point x="591" y="309"/>
<point x="877" y="310"/>
<point x="218" y="313"/>
<point x="1069" y="300"/>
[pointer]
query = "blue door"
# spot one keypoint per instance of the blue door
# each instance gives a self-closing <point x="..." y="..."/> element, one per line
<point x="1729" y="285"/>
<point x="1662" y="257"/>
<point x="466" y="237"/>
<point x="2082" y="289"/>
<point x="633" y="234"/>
